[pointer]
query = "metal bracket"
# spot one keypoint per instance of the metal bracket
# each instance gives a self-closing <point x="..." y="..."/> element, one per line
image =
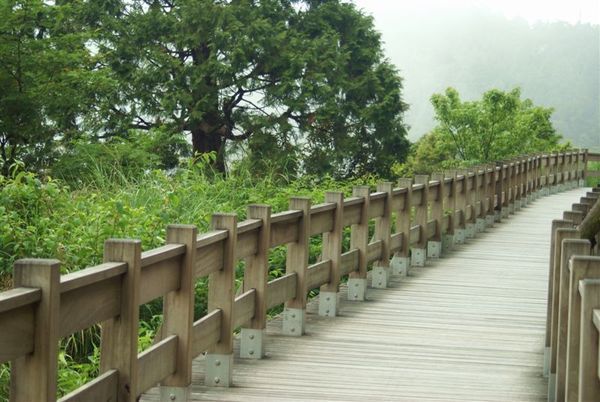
<point x="328" y="304"/>
<point x="447" y="243"/>
<point x="459" y="236"/>
<point x="380" y="277"/>
<point x="418" y="257"/>
<point x="357" y="289"/>
<point x="480" y="225"/>
<point x="469" y="230"/>
<point x="294" y="321"/>
<point x="434" y="249"/>
<point x="219" y="369"/>
<point x="174" y="394"/>
<point x="399" y="265"/>
<point x="252" y="343"/>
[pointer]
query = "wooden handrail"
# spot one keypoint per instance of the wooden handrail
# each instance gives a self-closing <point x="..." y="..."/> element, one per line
<point x="114" y="290"/>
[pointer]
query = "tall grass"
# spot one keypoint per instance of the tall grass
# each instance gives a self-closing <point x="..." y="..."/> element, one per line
<point x="46" y="218"/>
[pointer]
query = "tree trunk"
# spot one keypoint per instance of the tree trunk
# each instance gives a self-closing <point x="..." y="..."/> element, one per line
<point x="205" y="141"/>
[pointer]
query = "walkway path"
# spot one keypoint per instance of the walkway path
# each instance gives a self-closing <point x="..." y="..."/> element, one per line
<point x="469" y="327"/>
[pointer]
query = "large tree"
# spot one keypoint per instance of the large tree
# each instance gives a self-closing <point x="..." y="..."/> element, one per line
<point x="299" y="76"/>
<point x="43" y="78"/>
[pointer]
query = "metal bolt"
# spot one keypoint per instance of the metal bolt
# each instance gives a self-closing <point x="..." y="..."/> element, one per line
<point x="327" y="312"/>
<point x="327" y="298"/>
<point x="217" y="363"/>
<point x="251" y="352"/>
<point x="356" y="285"/>
<point x="293" y="330"/>
<point x="172" y="397"/>
<point x="379" y="283"/>
<point x="293" y="315"/>
<point x="217" y="380"/>
<point x="251" y="337"/>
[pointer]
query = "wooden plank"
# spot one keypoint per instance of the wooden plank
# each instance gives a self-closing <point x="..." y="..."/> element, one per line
<point x="159" y="279"/>
<point x="157" y="363"/>
<point x="244" y="308"/>
<point x="284" y="227"/>
<point x="102" y="388"/>
<point x="321" y="218"/>
<point x="396" y="242"/>
<point x="282" y="289"/>
<point x="247" y="244"/>
<point x="206" y="332"/>
<point x="318" y="274"/>
<point x="350" y="262"/>
<point x="85" y="306"/>
<point x="415" y="234"/>
<point x="17" y="335"/>
<point x="209" y="258"/>
<point x="374" y="251"/>
<point x="91" y="275"/>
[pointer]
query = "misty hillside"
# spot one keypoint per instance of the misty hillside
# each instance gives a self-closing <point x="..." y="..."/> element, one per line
<point x="555" y="64"/>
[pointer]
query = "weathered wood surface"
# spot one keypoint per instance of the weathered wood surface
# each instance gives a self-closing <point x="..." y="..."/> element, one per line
<point x="469" y="327"/>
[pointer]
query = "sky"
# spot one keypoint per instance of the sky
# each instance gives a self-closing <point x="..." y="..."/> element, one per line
<point x="571" y="11"/>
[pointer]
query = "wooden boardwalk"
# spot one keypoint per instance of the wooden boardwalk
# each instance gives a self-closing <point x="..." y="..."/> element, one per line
<point x="469" y="327"/>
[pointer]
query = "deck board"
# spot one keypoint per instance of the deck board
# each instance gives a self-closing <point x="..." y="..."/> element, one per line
<point x="468" y="327"/>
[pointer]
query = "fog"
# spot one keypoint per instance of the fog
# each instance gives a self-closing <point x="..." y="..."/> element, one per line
<point x="549" y="49"/>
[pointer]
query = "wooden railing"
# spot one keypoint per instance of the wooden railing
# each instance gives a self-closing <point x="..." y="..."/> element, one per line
<point x="45" y="306"/>
<point x="573" y="320"/>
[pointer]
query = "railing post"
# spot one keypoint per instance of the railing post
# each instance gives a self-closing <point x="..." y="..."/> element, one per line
<point x="448" y="239"/>
<point x="419" y="252"/>
<point x="33" y="377"/>
<point x="383" y="227"/>
<point x="434" y="246"/>
<point x="490" y="183"/>
<point x="570" y="247"/>
<point x="119" y="345"/>
<point x="589" y="385"/>
<point x="294" y="314"/>
<point x="332" y="250"/>
<point x="580" y="267"/>
<point x="359" y="239"/>
<point x="178" y="315"/>
<point x="221" y="290"/>
<point x="461" y="210"/>
<point x="560" y="235"/>
<point x="480" y="201"/>
<point x="469" y="205"/>
<point x="556" y="224"/>
<point x="403" y="224"/>
<point x="256" y="276"/>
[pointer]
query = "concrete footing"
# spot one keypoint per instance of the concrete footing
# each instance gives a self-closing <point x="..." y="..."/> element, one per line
<point x="546" y="361"/>
<point x="252" y="344"/>
<point x="489" y="220"/>
<point x="459" y="236"/>
<point x="447" y="243"/>
<point x="418" y="257"/>
<point x="434" y="249"/>
<point x="328" y="304"/>
<point x="357" y="289"/>
<point x="470" y="230"/>
<point x="581" y="183"/>
<point x="380" y="278"/>
<point x="552" y="387"/>
<point x="294" y="321"/>
<point x="219" y="369"/>
<point x="175" y="394"/>
<point x="399" y="265"/>
<point x="480" y="225"/>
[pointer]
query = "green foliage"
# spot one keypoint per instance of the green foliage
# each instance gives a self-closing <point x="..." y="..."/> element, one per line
<point x="498" y="126"/>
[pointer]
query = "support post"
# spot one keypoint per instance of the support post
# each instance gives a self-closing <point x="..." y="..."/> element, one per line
<point x="403" y="224"/>
<point x="434" y="246"/>
<point x="383" y="227"/>
<point x="221" y="286"/>
<point x="332" y="250"/>
<point x="119" y="345"/>
<point x="178" y="315"/>
<point x="419" y="251"/>
<point x="33" y="377"/>
<point x="570" y="247"/>
<point x="449" y="238"/>
<point x="256" y="276"/>
<point x="359" y="239"/>
<point x="294" y="314"/>
<point x="589" y="385"/>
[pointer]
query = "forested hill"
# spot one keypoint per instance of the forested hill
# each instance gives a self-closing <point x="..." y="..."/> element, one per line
<point x="556" y="65"/>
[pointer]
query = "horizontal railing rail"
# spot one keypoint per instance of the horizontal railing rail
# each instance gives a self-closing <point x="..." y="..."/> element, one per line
<point x="431" y="215"/>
